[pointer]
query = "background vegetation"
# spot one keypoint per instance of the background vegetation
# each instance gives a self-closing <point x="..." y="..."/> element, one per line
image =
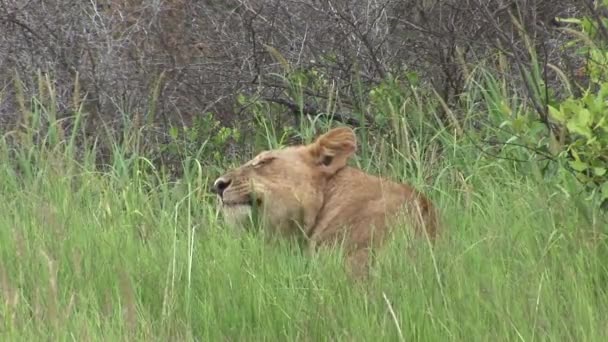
<point x="118" y="115"/>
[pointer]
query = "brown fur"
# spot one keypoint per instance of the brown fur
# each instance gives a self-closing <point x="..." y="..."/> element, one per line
<point x="309" y="191"/>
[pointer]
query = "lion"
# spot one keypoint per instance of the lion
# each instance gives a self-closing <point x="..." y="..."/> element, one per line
<point x="309" y="191"/>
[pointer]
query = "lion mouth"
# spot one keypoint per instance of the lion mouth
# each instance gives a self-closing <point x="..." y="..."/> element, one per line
<point x="249" y="201"/>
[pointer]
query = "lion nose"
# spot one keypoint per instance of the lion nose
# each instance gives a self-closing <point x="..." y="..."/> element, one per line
<point x="220" y="185"/>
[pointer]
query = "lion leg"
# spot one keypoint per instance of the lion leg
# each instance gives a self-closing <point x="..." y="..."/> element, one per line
<point x="358" y="264"/>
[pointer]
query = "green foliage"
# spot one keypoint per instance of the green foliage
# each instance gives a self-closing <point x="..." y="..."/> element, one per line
<point x="586" y="121"/>
<point x="266" y="124"/>
<point x="585" y="118"/>
<point x="311" y="79"/>
<point x="576" y="138"/>
<point x="205" y="138"/>
<point x="395" y="97"/>
<point x="511" y="118"/>
<point x="386" y="99"/>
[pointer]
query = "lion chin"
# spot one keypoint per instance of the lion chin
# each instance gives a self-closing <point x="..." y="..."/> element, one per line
<point x="236" y="215"/>
<point x="309" y="191"/>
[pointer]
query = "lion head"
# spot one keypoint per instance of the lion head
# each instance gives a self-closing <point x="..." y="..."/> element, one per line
<point x="286" y="185"/>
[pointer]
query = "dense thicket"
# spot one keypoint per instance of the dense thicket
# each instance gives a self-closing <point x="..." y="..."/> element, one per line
<point x="177" y="59"/>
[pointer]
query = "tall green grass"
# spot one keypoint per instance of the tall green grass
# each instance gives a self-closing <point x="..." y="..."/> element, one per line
<point x="128" y="254"/>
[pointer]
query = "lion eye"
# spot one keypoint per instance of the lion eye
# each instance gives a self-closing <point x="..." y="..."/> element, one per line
<point x="263" y="162"/>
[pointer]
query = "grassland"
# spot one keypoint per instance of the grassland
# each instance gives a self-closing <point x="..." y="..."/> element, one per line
<point x="125" y="253"/>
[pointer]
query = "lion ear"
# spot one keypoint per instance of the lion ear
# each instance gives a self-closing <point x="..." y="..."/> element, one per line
<point x="331" y="151"/>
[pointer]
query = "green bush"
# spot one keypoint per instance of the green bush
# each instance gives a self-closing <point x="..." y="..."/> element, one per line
<point x="584" y="118"/>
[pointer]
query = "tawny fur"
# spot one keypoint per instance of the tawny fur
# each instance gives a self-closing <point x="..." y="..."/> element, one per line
<point x="308" y="191"/>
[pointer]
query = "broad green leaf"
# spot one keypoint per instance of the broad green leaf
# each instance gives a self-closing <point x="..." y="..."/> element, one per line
<point x="584" y="117"/>
<point x="588" y="26"/>
<point x="578" y="165"/>
<point x="602" y="122"/>
<point x="603" y="92"/>
<point x="580" y="122"/>
<point x="599" y="171"/>
<point x="604" y="190"/>
<point x="596" y="104"/>
<point x="588" y="99"/>
<point x="557" y="114"/>
<point x="570" y="106"/>
<point x="555" y="147"/>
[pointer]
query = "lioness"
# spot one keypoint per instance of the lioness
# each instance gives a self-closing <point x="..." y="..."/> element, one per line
<point x="309" y="191"/>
